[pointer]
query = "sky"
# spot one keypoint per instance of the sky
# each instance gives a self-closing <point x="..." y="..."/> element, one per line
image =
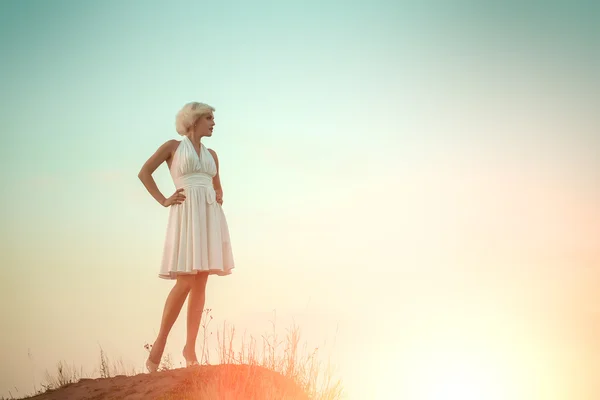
<point x="415" y="184"/>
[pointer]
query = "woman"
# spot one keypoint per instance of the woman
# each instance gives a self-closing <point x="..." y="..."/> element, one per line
<point x="197" y="242"/>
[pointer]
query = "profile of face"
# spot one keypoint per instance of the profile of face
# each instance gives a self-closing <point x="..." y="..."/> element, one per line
<point x="204" y="125"/>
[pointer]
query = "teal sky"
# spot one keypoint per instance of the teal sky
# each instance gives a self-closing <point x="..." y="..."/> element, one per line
<point x="380" y="160"/>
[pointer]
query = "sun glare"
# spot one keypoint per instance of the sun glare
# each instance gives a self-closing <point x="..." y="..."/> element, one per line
<point x="455" y="379"/>
<point x="458" y="367"/>
<point x="439" y="376"/>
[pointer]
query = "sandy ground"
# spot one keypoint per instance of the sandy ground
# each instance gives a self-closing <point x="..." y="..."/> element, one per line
<point x="199" y="382"/>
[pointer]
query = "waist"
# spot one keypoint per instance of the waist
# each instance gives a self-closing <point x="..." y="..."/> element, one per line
<point x="192" y="180"/>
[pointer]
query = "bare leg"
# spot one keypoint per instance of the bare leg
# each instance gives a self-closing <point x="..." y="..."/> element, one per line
<point x="171" y="311"/>
<point x="194" y="315"/>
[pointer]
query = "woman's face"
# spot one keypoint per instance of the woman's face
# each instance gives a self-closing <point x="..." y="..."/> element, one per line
<point x="204" y="125"/>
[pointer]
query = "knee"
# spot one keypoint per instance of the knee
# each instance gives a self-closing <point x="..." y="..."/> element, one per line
<point x="185" y="283"/>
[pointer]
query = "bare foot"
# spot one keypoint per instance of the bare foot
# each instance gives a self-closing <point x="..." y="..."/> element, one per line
<point x="190" y="356"/>
<point x="156" y="352"/>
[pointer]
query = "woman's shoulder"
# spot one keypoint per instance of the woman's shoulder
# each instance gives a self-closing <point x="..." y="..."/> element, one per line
<point x="171" y="143"/>
<point x="214" y="153"/>
<point x="168" y="147"/>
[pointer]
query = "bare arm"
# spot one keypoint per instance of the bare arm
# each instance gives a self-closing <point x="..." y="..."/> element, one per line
<point x="217" y="178"/>
<point x="161" y="155"/>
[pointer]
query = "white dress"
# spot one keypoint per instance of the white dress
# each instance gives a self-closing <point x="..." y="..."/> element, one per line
<point x="197" y="236"/>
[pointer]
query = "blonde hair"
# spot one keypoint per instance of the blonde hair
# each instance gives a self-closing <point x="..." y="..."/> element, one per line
<point x="188" y="114"/>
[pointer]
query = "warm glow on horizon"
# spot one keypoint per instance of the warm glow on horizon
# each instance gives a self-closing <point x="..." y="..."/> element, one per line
<point x="455" y="360"/>
<point x="456" y="379"/>
<point x="415" y="184"/>
<point x="462" y="372"/>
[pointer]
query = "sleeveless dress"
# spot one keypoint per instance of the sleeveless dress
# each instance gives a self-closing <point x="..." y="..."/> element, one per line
<point x="197" y="237"/>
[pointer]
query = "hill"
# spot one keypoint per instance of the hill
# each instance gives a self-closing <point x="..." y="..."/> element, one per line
<point x="225" y="381"/>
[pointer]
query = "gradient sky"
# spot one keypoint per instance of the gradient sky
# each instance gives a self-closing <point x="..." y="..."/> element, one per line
<point x="419" y="181"/>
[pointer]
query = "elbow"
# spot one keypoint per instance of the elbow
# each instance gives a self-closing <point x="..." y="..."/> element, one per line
<point x="141" y="175"/>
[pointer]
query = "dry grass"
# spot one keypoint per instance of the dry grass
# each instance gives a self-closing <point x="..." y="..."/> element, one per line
<point x="236" y="382"/>
<point x="248" y="368"/>
<point x="271" y="352"/>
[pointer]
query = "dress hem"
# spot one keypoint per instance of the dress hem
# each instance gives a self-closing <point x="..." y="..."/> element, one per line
<point x="173" y="275"/>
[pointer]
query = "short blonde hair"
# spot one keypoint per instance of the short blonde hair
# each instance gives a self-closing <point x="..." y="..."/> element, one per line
<point x="188" y="114"/>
